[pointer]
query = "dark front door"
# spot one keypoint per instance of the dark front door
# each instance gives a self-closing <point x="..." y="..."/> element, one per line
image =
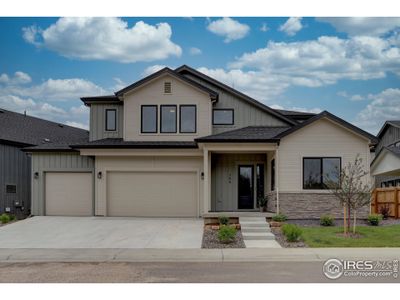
<point x="245" y="183"/>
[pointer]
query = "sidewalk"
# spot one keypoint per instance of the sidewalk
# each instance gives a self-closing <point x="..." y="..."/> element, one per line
<point x="195" y="255"/>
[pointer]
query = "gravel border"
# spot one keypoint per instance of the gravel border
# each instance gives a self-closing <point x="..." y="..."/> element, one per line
<point x="210" y="240"/>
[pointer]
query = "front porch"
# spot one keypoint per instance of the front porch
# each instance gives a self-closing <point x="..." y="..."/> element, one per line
<point x="236" y="175"/>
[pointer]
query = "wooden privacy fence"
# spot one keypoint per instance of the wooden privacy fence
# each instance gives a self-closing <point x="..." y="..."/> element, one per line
<point x="390" y="197"/>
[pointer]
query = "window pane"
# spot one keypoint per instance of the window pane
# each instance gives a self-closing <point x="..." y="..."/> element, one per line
<point x="312" y="173"/>
<point x="111" y="117"/>
<point x="260" y="180"/>
<point x="331" y="169"/>
<point x="223" y="117"/>
<point x="188" y="119"/>
<point x="168" y="118"/>
<point x="149" y="119"/>
<point x="273" y="175"/>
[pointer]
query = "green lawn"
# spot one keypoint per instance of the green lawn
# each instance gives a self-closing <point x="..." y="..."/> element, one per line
<point x="380" y="236"/>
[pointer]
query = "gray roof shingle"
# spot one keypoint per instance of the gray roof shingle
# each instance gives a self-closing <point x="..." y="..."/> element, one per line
<point x="24" y="130"/>
<point x="120" y="143"/>
<point x="245" y="135"/>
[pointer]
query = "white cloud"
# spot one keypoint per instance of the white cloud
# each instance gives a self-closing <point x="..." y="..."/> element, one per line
<point x="315" y="110"/>
<point x="194" y="51"/>
<point x="363" y="25"/>
<point x="229" y="28"/>
<point x="384" y="106"/>
<point x="291" y="26"/>
<point x="105" y="39"/>
<point x="355" y="97"/>
<point x="77" y="124"/>
<point x="4" y="78"/>
<point x="154" y="68"/>
<point x="264" y="27"/>
<point x="36" y="100"/>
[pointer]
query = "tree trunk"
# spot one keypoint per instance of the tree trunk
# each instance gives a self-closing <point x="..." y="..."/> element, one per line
<point x="344" y="219"/>
<point x="354" y="221"/>
<point x="348" y="217"/>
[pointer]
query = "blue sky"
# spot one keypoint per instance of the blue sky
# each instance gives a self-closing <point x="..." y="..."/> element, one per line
<point x="348" y="66"/>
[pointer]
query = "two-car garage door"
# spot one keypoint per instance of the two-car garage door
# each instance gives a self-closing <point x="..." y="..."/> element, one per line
<point x="152" y="194"/>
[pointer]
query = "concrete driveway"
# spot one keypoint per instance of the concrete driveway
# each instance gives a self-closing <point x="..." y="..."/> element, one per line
<point x="102" y="232"/>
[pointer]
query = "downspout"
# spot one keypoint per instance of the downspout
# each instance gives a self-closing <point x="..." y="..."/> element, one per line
<point x="277" y="178"/>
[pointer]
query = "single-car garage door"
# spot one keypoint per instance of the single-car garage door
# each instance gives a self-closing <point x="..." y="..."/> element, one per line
<point x="68" y="194"/>
<point x="152" y="194"/>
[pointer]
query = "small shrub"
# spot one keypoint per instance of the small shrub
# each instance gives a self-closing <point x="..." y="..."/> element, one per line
<point x="223" y="220"/>
<point x="279" y="218"/>
<point x="226" y="234"/>
<point x="262" y="201"/>
<point x="374" y="219"/>
<point x="12" y="217"/>
<point x="292" y="232"/>
<point x="385" y="211"/>
<point x="4" y="218"/>
<point x="326" y="220"/>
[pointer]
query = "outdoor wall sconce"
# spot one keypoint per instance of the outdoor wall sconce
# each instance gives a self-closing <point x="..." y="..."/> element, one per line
<point x="36" y="175"/>
<point x="202" y="175"/>
<point x="99" y="175"/>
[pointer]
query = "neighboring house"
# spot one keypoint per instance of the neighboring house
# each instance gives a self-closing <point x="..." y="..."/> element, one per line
<point x="181" y="144"/>
<point x="386" y="165"/>
<point x="16" y="132"/>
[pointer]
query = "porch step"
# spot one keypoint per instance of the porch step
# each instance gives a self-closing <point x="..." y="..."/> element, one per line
<point x="255" y="229"/>
<point x="257" y="233"/>
<point x="258" y="236"/>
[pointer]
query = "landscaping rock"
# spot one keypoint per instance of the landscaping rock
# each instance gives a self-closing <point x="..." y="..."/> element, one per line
<point x="210" y="240"/>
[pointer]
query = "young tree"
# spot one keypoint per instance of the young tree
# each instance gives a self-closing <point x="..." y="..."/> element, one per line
<point x="351" y="189"/>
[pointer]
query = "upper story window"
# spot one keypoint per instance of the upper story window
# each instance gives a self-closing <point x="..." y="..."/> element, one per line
<point x="167" y="87"/>
<point x="149" y="119"/>
<point x="187" y="119"/>
<point x="168" y="118"/>
<point x="111" y="119"/>
<point x="223" y="116"/>
<point x="317" y="171"/>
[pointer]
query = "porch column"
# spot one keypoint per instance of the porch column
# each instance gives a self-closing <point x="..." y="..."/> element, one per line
<point x="277" y="179"/>
<point x="207" y="180"/>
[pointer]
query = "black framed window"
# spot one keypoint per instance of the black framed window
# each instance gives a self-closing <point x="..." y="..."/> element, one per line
<point x="111" y="119"/>
<point x="318" y="170"/>
<point x="187" y="119"/>
<point x="168" y="118"/>
<point x="273" y="175"/>
<point x="149" y="119"/>
<point x="223" y="116"/>
<point x="11" y="189"/>
<point x="260" y="180"/>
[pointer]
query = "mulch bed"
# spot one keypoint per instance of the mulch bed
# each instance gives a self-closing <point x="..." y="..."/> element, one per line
<point x="280" y="238"/>
<point x="211" y="241"/>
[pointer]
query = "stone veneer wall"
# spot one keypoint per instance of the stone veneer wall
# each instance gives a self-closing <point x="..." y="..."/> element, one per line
<point x="271" y="204"/>
<point x="312" y="206"/>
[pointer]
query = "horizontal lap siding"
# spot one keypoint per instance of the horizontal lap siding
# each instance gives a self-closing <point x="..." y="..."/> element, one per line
<point x="15" y="168"/>
<point x="44" y="162"/>
<point x="322" y="138"/>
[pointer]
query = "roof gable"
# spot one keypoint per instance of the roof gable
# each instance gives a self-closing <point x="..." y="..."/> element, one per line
<point x="213" y="95"/>
<point x="334" y="119"/>
<point x="394" y="123"/>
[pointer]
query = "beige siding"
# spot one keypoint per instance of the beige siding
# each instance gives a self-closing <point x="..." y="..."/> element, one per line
<point x="321" y="138"/>
<point x="153" y="94"/>
<point x="54" y="162"/>
<point x="153" y="164"/>
<point x="98" y="121"/>
<point x="246" y="114"/>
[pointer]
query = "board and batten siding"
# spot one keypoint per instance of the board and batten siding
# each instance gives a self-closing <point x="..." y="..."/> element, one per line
<point x="15" y="169"/>
<point x="153" y="94"/>
<point x="245" y="114"/>
<point x="391" y="135"/>
<point x="54" y="162"/>
<point x="224" y="178"/>
<point x="323" y="138"/>
<point x="98" y="121"/>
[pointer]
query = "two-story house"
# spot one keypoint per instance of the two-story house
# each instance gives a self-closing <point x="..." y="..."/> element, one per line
<point x="180" y="144"/>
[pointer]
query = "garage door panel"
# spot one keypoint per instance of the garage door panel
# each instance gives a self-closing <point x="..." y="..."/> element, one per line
<point x="68" y="194"/>
<point x="152" y="194"/>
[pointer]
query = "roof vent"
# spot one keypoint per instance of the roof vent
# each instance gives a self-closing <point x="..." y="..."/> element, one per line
<point x="46" y="140"/>
<point x="61" y="125"/>
<point x="167" y="87"/>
